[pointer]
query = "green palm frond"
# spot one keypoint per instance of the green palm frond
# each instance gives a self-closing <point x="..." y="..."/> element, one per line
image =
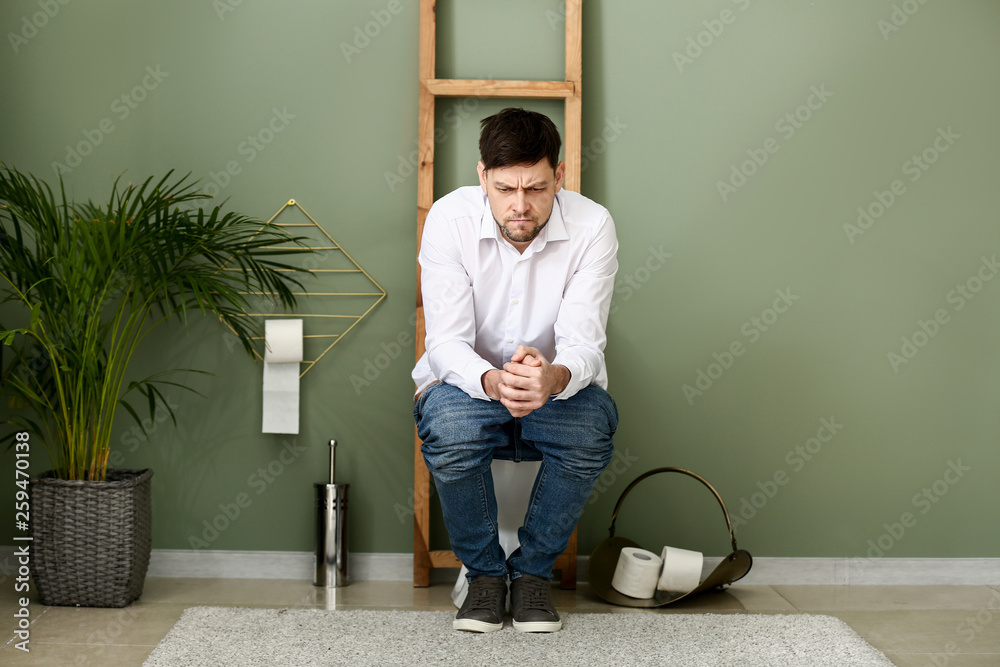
<point x="95" y="279"/>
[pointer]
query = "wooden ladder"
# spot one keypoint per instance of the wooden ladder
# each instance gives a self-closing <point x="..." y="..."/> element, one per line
<point x="431" y="88"/>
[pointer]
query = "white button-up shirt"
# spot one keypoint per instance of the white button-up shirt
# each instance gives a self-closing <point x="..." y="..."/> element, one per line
<point x="482" y="298"/>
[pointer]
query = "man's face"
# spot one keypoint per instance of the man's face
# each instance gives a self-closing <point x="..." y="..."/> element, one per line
<point x="521" y="198"/>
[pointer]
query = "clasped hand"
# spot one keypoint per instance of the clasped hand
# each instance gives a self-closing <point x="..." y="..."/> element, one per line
<point x="526" y="381"/>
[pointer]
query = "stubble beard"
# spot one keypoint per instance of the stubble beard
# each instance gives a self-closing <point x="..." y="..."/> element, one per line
<point x="520" y="235"/>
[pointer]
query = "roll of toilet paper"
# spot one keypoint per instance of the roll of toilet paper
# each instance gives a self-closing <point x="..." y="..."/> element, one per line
<point x="681" y="570"/>
<point x="637" y="573"/>
<point x="282" y="356"/>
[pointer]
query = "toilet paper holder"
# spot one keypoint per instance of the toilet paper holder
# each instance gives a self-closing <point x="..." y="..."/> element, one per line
<point x="604" y="558"/>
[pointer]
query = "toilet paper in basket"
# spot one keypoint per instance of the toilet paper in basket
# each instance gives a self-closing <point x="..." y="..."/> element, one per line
<point x="637" y="572"/>
<point x="681" y="570"/>
<point x="640" y="573"/>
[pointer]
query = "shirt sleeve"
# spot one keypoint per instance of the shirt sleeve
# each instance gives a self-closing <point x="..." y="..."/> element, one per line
<point x="449" y="313"/>
<point x="581" y="326"/>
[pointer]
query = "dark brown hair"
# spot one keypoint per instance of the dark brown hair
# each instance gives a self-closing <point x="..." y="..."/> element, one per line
<point x="518" y="137"/>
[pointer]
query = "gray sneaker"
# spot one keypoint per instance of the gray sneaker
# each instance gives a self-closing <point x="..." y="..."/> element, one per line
<point x="531" y="605"/>
<point x="483" y="609"/>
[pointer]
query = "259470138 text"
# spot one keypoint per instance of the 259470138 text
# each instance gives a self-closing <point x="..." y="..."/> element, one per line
<point x="22" y="554"/>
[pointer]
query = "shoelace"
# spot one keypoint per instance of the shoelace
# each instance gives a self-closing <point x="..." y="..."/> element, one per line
<point x="534" y="594"/>
<point x="487" y="596"/>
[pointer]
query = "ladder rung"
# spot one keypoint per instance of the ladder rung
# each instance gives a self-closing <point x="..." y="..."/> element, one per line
<point x="489" y="88"/>
<point x="444" y="559"/>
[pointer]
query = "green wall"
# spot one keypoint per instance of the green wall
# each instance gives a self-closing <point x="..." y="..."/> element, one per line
<point x="754" y="319"/>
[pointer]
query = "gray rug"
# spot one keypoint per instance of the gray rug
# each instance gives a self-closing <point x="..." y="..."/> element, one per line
<point x="234" y="636"/>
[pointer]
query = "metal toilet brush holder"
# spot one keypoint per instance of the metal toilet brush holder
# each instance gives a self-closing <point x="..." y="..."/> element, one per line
<point x="331" y="530"/>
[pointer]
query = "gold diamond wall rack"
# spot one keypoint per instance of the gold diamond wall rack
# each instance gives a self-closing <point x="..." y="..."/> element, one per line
<point x="337" y="280"/>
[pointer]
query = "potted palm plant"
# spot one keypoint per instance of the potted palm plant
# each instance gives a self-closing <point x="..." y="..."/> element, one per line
<point x="90" y="282"/>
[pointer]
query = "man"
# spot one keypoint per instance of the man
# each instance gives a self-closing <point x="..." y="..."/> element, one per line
<point x="517" y="277"/>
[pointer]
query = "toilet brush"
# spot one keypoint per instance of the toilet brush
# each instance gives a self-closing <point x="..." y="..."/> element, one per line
<point x="331" y="529"/>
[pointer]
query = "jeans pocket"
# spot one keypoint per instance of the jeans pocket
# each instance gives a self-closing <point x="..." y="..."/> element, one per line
<point x="418" y="405"/>
<point x="612" y="413"/>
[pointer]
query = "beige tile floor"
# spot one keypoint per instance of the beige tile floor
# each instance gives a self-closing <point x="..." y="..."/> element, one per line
<point x="925" y="626"/>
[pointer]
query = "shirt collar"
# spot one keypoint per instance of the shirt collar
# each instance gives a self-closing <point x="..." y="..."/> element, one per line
<point x="554" y="230"/>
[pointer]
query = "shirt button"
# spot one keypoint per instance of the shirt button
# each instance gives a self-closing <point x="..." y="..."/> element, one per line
<point x="510" y="340"/>
<point x="516" y="301"/>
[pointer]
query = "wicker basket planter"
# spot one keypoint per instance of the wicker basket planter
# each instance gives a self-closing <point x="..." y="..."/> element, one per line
<point x="91" y="539"/>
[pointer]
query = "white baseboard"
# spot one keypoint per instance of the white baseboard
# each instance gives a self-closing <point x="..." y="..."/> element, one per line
<point x="765" y="571"/>
<point x="273" y="565"/>
<point x="399" y="567"/>
<point x="872" y="571"/>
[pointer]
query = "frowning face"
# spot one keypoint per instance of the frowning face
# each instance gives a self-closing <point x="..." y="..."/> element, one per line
<point x="521" y="198"/>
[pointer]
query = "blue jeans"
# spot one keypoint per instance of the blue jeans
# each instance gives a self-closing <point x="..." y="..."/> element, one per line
<point x="462" y="435"/>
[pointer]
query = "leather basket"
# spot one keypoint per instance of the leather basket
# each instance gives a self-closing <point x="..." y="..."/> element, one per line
<point x="604" y="559"/>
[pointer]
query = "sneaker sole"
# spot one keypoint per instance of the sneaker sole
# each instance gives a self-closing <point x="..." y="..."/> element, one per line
<point x="538" y="626"/>
<point x="470" y="625"/>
